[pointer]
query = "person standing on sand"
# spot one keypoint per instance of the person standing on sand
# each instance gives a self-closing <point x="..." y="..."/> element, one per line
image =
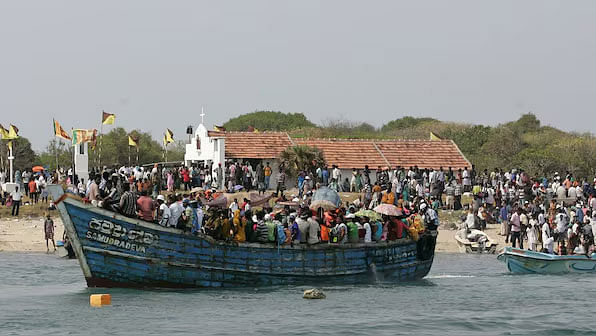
<point x="48" y="228"/>
<point x="16" y="196"/>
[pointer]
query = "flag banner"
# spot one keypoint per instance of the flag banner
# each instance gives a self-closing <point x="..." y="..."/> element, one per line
<point x="13" y="132"/>
<point x="108" y="118"/>
<point x="256" y="130"/>
<point x="60" y="132"/>
<point x="4" y="132"/>
<point x="80" y="136"/>
<point x="219" y="128"/>
<point x="434" y="137"/>
<point x="169" y="135"/>
<point x="165" y="141"/>
<point x="133" y="140"/>
<point x="9" y="144"/>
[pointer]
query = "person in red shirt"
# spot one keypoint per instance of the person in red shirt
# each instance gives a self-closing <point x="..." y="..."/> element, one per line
<point x="33" y="191"/>
<point x="186" y="178"/>
<point x="145" y="207"/>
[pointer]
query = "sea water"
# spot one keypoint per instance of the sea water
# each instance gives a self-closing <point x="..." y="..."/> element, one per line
<point x="463" y="295"/>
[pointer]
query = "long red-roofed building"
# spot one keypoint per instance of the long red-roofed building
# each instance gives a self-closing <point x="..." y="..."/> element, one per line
<point x="217" y="147"/>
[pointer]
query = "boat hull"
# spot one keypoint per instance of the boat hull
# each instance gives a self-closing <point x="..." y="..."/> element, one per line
<point x="115" y="251"/>
<point x="529" y="262"/>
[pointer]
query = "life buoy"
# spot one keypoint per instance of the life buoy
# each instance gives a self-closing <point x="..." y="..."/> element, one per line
<point x="425" y="247"/>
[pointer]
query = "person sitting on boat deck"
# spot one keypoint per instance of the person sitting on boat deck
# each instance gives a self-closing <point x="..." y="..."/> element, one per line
<point x="314" y="230"/>
<point x="303" y="224"/>
<point x="367" y="229"/>
<point x="339" y="233"/>
<point x="186" y="222"/>
<point x="163" y="211"/>
<point x="352" y="228"/>
<point x="128" y="202"/>
<point x="197" y="221"/>
<point x="271" y="228"/>
<point x="225" y="233"/>
<point x="176" y="210"/>
<point x="378" y="231"/>
<point x="262" y="229"/>
<point x="239" y="227"/>
<point x="430" y="217"/>
<point x="251" y="227"/>
<point x="145" y="207"/>
<point x="294" y="229"/>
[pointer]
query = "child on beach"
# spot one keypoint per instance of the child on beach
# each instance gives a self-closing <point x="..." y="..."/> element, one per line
<point x="48" y="228"/>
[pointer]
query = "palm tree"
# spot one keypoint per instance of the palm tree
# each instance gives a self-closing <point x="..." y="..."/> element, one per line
<point x="301" y="157"/>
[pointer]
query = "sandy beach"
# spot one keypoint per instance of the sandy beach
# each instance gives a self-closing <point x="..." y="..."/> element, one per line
<point x="26" y="234"/>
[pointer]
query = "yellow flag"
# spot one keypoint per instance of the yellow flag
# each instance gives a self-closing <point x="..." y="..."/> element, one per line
<point x="9" y="144"/>
<point x="256" y="130"/>
<point x="3" y="132"/>
<point x="108" y="118"/>
<point x="13" y="132"/>
<point x="165" y="141"/>
<point x="169" y="135"/>
<point x="434" y="137"/>
<point x="131" y="141"/>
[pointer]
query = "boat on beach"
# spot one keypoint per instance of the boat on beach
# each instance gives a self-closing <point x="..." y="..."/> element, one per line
<point x="475" y="241"/>
<point x="530" y="262"/>
<point x="117" y="251"/>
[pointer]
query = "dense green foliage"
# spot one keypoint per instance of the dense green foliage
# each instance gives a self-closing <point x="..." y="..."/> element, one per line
<point x="301" y="158"/>
<point x="24" y="155"/>
<point x="268" y="121"/>
<point x="524" y="143"/>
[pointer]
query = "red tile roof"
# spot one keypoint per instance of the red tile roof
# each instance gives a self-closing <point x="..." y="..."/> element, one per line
<point x="347" y="154"/>
<point x="250" y="145"/>
<point x="424" y="154"/>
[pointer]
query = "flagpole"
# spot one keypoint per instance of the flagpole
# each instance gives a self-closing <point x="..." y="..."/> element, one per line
<point x="129" y="155"/>
<point x="10" y="160"/>
<point x="100" y="140"/>
<point x="72" y="179"/>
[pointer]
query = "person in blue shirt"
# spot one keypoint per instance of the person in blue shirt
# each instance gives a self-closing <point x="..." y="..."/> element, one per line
<point x="325" y="175"/>
<point x="504" y="219"/>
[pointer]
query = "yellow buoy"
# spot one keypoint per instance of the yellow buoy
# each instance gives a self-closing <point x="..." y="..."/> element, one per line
<point x="98" y="300"/>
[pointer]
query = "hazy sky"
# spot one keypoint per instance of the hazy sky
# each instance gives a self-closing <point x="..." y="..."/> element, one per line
<point x="155" y="63"/>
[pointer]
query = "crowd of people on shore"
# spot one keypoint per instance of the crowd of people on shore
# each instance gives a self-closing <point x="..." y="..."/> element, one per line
<point x="537" y="213"/>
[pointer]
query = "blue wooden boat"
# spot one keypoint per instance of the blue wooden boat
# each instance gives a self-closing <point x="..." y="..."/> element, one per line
<point x="529" y="262"/>
<point x="116" y="251"/>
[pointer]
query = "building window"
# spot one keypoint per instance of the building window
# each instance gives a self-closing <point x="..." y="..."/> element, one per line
<point x="82" y="149"/>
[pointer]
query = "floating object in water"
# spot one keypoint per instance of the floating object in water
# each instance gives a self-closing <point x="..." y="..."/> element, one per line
<point x="475" y="241"/>
<point x="530" y="262"/>
<point x="314" y="294"/>
<point x="98" y="300"/>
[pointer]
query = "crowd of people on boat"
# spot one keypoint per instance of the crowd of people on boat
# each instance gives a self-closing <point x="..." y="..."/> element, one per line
<point x="553" y="215"/>
<point x="288" y="219"/>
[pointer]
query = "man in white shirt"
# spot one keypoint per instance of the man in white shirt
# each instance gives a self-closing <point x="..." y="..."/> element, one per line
<point x="17" y="196"/>
<point x="163" y="212"/>
<point x="234" y="206"/>
<point x="176" y="210"/>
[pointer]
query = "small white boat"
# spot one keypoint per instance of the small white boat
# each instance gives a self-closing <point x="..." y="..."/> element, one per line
<point x="529" y="262"/>
<point x="475" y="241"/>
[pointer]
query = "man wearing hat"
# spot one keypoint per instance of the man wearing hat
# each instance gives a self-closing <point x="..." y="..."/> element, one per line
<point x="163" y="211"/>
